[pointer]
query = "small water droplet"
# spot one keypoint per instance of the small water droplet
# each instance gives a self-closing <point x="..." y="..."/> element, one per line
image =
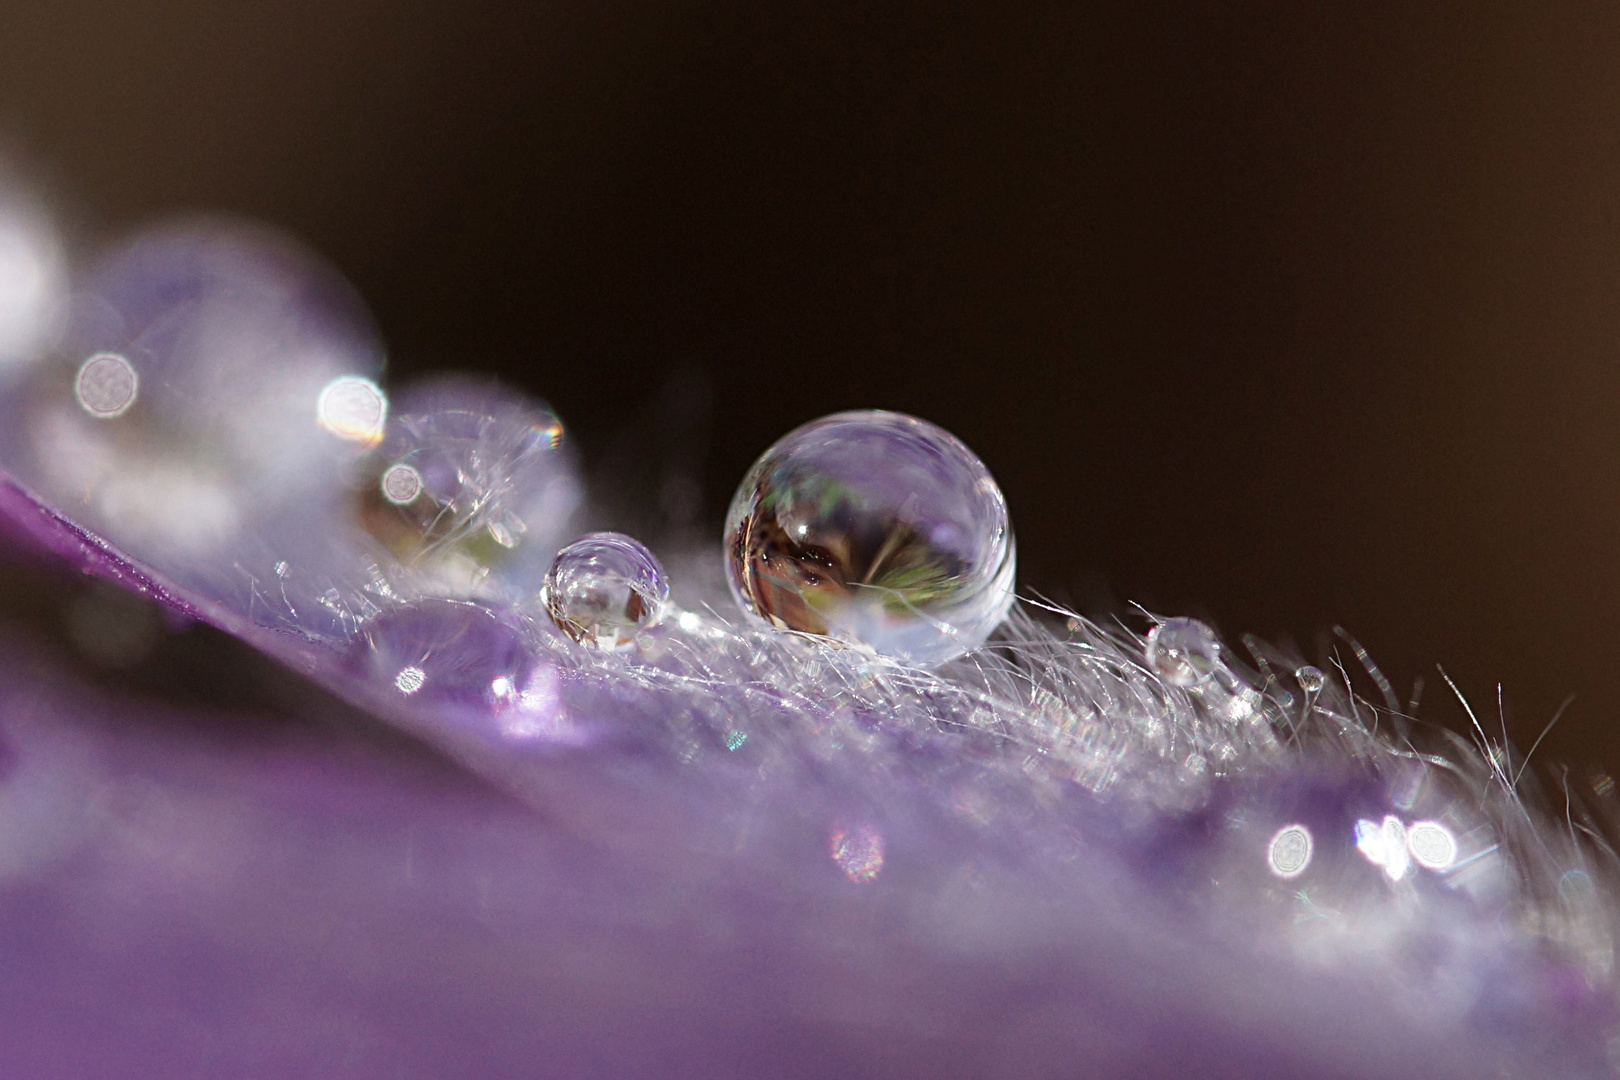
<point x="1184" y="652"/>
<point x="874" y="528"/>
<point x="605" y="588"/>
<point x="1311" y="679"/>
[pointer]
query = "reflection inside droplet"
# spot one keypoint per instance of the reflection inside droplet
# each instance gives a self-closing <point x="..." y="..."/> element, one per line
<point x="445" y="652"/>
<point x="106" y="386"/>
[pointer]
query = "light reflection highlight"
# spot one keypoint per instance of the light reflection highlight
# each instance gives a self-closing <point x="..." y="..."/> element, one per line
<point x="1432" y="845"/>
<point x="1385" y="845"/>
<point x="1290" y="851"/>
<point x="106" y="386"/>
<point x="410" y="680"/>
<point x="354" y="409"/>
<point x="858" y="851"/>
<point x="401" y="484"/>
<point x="539" y="714"/>
<point x="33" y="280"/>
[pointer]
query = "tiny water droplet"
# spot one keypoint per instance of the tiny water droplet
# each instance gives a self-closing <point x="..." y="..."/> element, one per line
<point x="1184" y="652"/>
<point x="1311" y="679"/>
<point x="604" y="588"/>
<point x="874" y="528"/>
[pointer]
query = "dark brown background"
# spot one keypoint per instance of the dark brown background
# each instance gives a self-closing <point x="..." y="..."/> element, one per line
<point x="1283" y="314"/>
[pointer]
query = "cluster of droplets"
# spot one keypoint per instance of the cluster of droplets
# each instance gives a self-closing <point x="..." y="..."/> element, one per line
<point x="876" y="533"/>
<point x="207" y="397"/>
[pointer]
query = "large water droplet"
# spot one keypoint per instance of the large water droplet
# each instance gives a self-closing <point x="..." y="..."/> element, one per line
<point x="1184" y="652"/>
<point x="470" y="491"/>
<point x="874" y="528"/>
<point x="604" y="588"/>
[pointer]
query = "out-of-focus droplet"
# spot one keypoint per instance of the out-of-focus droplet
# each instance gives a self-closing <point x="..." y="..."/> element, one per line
<point x="447" y="652"/>
<point x="1289" y="852"/>
<point x="182" y="415"/>
<point x="874" y="528"/>
<point x="1310" y="679"/>
<point x="33" y="280"/>
<point x="470" y="489"/>
<point x="113" y="627"/>
<point x="1184" y="652"/>
<point x="604" y="588"/>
